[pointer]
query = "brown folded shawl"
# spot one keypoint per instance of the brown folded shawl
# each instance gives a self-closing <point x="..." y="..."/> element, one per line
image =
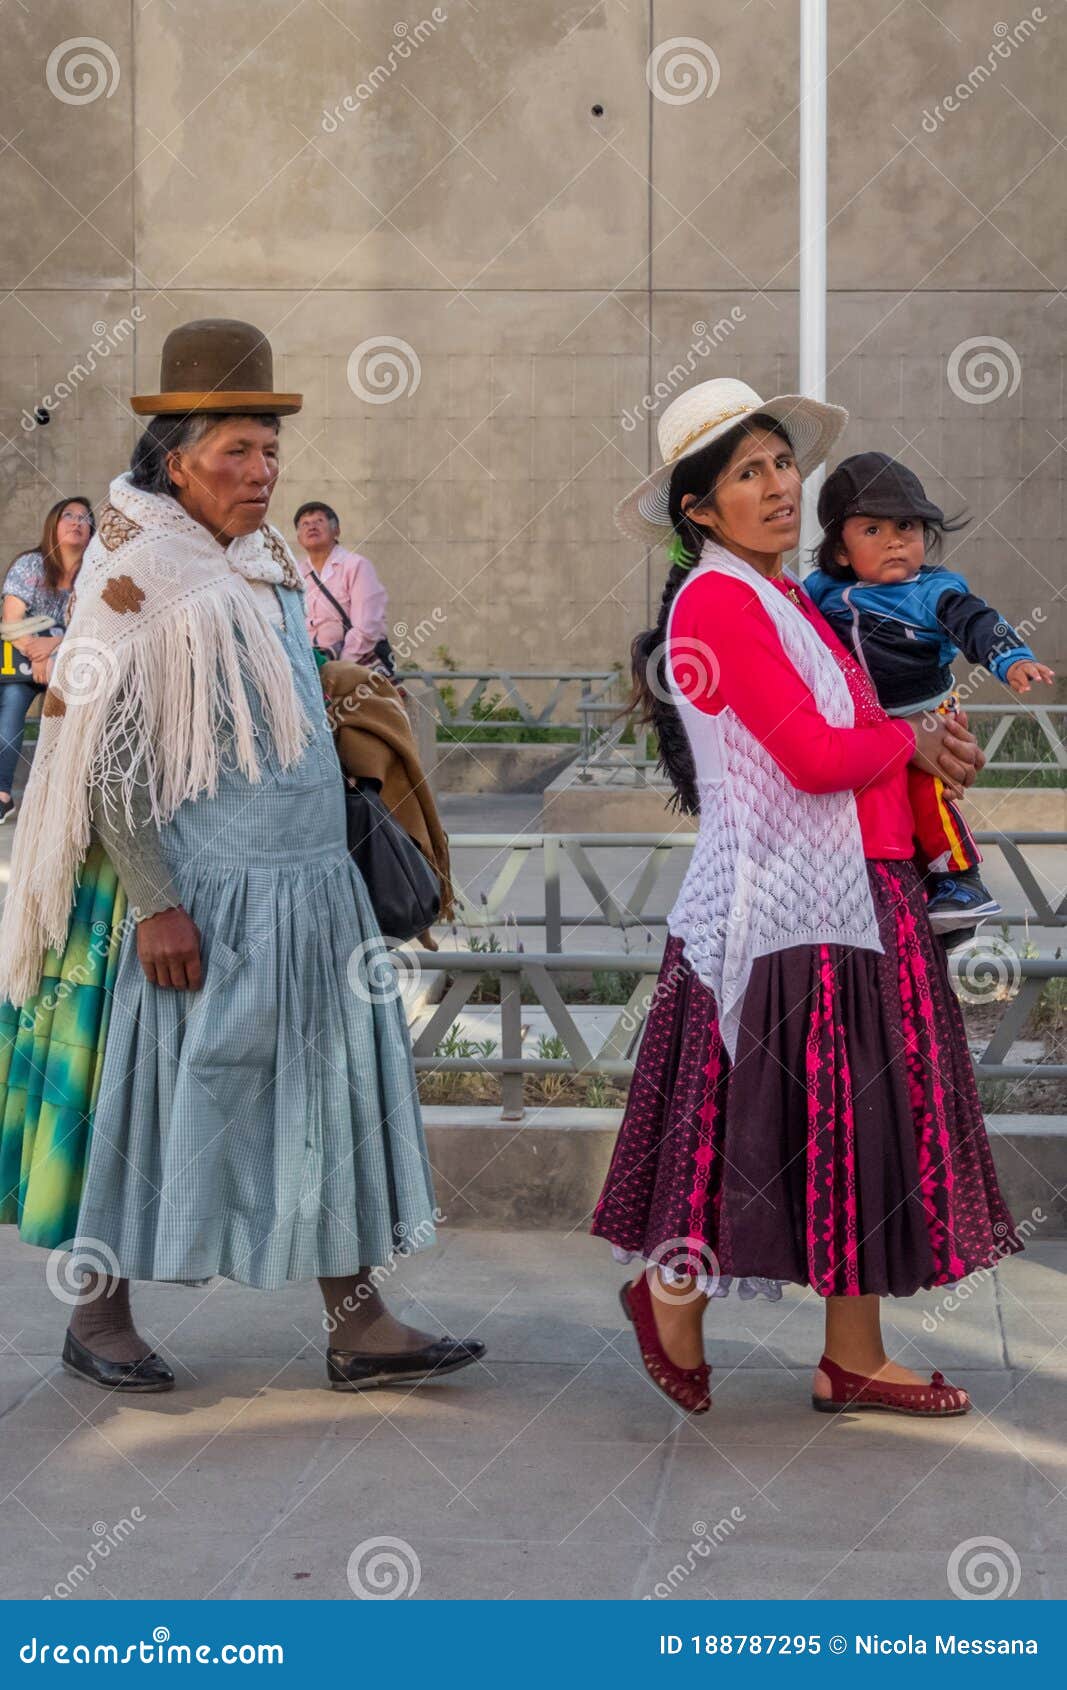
<point x="374" y="740"/>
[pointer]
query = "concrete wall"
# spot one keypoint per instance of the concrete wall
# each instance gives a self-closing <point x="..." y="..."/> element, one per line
<point x="545" y="265"/>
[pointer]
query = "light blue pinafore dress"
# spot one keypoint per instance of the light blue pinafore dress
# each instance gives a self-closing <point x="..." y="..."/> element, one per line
<point x="267" y="1127"/>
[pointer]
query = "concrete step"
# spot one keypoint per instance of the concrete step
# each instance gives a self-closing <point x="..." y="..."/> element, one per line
<point x="576" y="806"/>
<point x="547" y="1170"/>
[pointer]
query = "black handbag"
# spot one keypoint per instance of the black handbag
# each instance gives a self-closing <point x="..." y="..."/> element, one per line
<point x="403" y="887"/>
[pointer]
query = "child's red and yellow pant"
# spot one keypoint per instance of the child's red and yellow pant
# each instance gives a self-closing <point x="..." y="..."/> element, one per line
<point x="941" y="833"/>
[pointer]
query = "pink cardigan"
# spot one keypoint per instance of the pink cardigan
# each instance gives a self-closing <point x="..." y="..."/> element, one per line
<point x="747" y="669"/>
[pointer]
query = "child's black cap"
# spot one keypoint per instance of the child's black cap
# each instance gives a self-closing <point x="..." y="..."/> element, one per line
<point x="874" y="484"/>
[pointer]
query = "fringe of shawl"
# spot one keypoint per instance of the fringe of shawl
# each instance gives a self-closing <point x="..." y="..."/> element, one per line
<point x="135" y="714"/>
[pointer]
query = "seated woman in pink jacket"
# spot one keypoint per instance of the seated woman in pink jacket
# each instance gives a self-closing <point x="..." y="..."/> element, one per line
<point x="804" y="1107"/>
<point x="345" y="602"/>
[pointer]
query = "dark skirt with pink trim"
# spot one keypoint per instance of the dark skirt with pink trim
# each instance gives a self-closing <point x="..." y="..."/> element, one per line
<point x="845" y="1147"/>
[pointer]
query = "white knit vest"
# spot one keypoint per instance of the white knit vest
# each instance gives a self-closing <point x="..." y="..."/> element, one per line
<point x="772" y="866"/>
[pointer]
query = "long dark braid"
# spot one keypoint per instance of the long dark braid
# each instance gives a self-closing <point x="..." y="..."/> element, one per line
<point x="650" y="701"/>
<point x="648" y="657"/>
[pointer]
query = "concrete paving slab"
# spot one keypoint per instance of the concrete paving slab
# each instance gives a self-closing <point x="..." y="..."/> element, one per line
<point x="1040" y="1439"/>
<point x="1038" y="1276"/>
<point x="75" y="1563"/>
<point x="1054" y="1577"/>
<point x="878" y="1499"/>
<point x="389" y="1485"/>
<point x="552" y="1469"/>
<point x="232" y="1320"/>
<point x="1030" y="1348"/>
<point x="731" y="1572"/>
<point x="450" y="1570"/>
<point x="191" y="1481"/>
<point x="540" y="1403"/>
<point x="1048" y="1505"/>
<point x="453" y="1569"/>
<point x="19" y="1375"/>
<point x="276" y="1567"/>
<point x="216" y="1396"/>
<point x="1035" y="1332"/>
<point x="1036" y="1403"/>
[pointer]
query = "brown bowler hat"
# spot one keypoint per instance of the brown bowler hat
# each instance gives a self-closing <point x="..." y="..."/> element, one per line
<point x="216" y="364"/>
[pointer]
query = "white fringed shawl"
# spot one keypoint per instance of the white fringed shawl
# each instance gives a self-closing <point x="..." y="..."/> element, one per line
<point x="149" y="680"/>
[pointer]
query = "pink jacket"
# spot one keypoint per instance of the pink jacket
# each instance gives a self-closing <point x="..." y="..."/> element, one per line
<point x="751" y="673"/>
<point x="354" y="583"/>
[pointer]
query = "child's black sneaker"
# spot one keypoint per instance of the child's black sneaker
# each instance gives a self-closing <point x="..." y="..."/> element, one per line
<point x="958" y="900"/>
<point x="7" y="808"/>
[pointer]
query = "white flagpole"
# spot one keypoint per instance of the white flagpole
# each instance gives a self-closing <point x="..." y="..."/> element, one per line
<point x="812" y="349"/>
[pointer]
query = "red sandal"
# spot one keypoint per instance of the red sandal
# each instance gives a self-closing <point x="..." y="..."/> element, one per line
<point x="687" y="1387"/>
<point x="853" y="1391"/>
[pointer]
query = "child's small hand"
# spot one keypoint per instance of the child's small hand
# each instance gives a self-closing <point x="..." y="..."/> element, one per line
<point x="1020" y="674"/>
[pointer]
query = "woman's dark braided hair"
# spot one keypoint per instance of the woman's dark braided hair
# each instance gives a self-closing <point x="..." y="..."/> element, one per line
<point x="650" y="699"/>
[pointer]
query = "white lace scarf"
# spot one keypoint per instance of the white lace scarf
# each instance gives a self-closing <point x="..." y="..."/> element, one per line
<point x="772" y="866"/>
<point x="166" y="647"/>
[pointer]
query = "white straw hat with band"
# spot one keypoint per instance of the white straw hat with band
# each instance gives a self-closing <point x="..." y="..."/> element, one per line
<point x="700" y="415"/>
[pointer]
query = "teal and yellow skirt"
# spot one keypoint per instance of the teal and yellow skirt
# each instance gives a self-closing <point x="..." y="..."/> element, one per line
<point x="51" y="1055"/>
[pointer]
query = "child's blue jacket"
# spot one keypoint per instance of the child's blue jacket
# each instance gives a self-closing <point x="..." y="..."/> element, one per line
<point x="906" y="634"/>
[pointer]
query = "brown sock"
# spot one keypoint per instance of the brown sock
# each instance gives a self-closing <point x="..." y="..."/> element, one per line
<point x="356" y="1318"/>
<point x="102" y="1320"/>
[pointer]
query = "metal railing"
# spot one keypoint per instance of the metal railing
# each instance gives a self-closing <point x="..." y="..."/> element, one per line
<point x="605" y="750"/>
<point x="549" y="852"/>
<point x="542" y="698"/>
<point x="521" y="974"/>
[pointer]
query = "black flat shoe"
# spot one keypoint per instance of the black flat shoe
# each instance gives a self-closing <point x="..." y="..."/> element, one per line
<point x="148" y="1374"/>
<point x="354" y="1370"/>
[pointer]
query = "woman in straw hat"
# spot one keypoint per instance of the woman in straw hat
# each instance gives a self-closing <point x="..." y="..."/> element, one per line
<point x="804" y="1108"/>
<point x="255" y="1113"/>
